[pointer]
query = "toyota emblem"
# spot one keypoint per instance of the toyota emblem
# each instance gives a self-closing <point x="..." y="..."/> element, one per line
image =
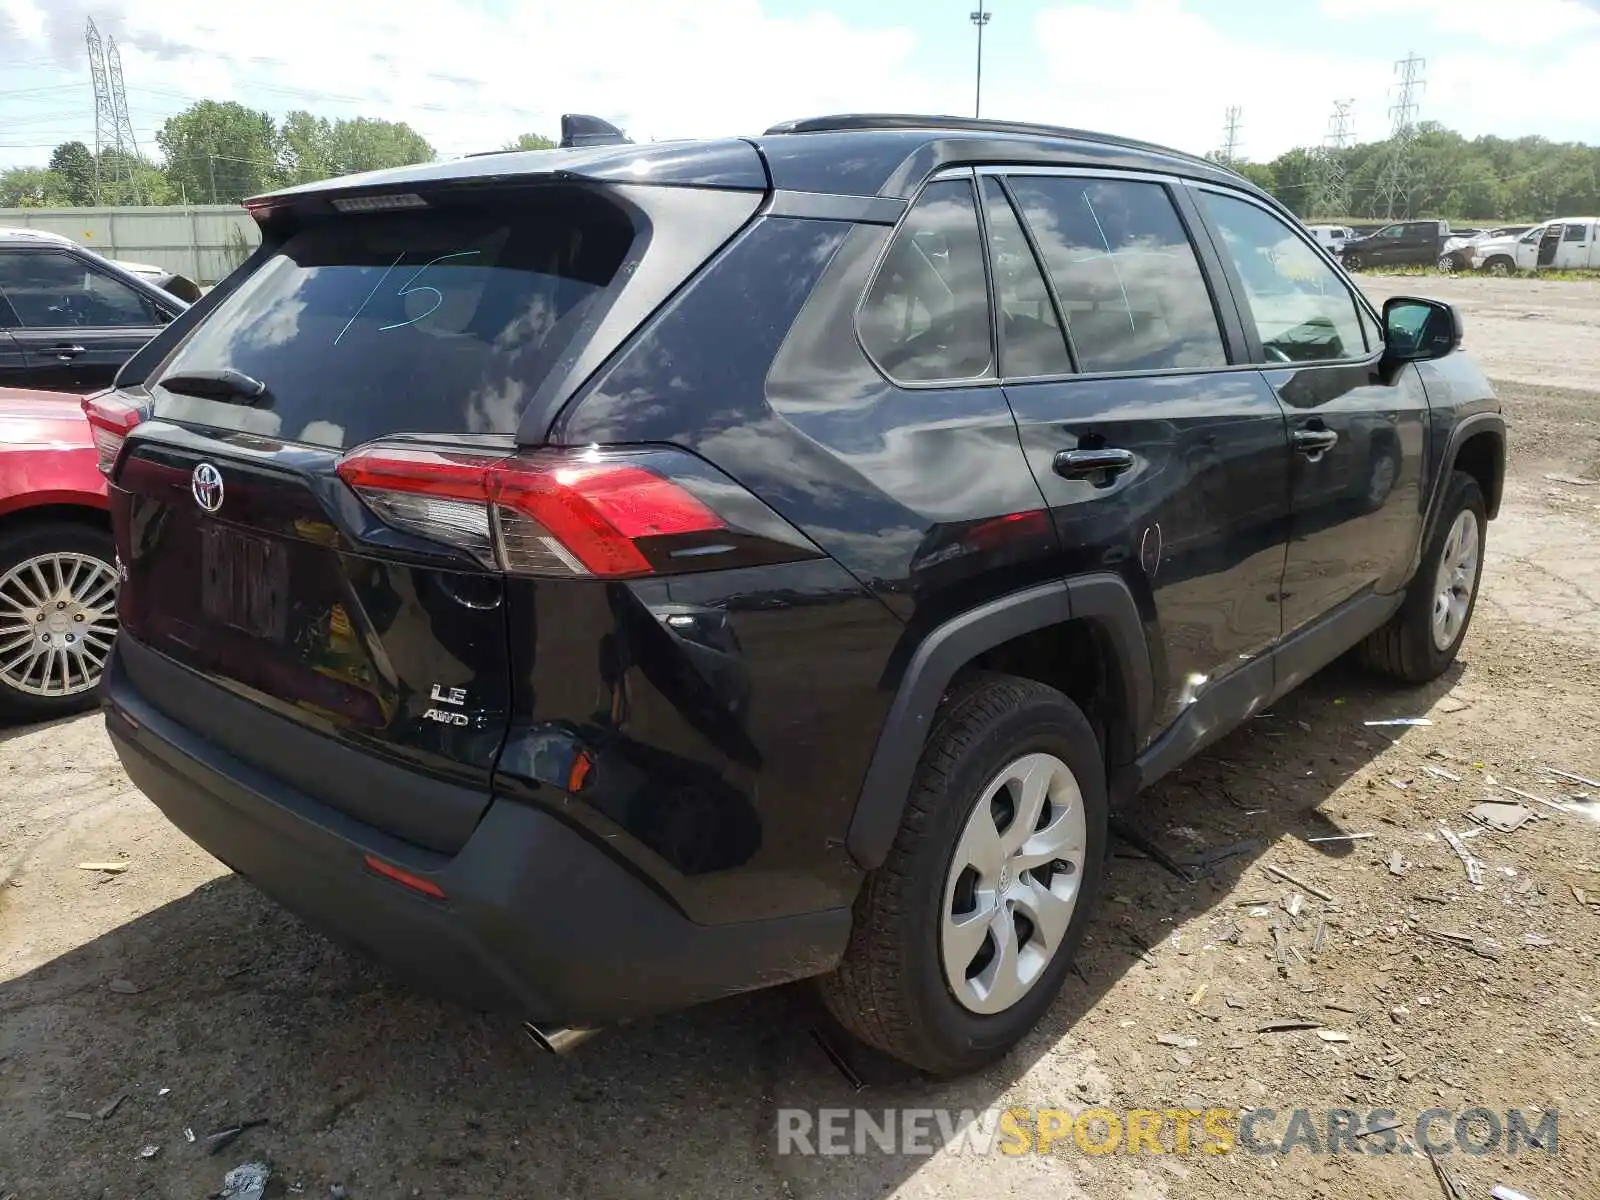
<point x="206" y="485"/>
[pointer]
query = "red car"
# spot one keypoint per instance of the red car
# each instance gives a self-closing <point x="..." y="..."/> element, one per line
<point x="58" y="572"/>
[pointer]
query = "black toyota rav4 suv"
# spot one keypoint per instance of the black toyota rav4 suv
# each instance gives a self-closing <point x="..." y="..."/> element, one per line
<point x="599" y="580"/>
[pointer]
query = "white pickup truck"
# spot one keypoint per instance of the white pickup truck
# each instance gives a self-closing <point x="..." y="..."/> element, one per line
<point x="1567" y="244"/>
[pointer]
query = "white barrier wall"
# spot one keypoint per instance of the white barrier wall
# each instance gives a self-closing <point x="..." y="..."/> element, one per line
<point x="204" y="242"/>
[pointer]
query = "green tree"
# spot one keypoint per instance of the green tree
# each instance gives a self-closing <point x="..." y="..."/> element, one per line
<point x="1486" y="180"/>
<point x="1260" y="174"/>
<point x="303" y="144"/>
<point x="1292" y="176"/>
<point x="73" y="162"/>
<point x="530" y="141"/>
<point x="33" y="187"/>
<point x="1475" y="194"/>
<point x="154" y="187"/>
<point x="369" y="144"/>
<point x="149" y="184"/>
<point x="311" y="147"/>
<point x="220" y="152"/>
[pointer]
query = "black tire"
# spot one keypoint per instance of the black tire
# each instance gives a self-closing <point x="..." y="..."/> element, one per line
<point x="1500" y="265"/>
<point x="23" y="542"/>
<point x="1405" y="648"/>
<point x="890" y="991"/>
<point x="1352" y="262"/>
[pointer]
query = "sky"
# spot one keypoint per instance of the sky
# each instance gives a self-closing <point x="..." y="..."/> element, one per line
<point x="472" y="74"/>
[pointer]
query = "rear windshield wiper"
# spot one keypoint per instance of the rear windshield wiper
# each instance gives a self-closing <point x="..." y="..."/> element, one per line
<point x="225" y="385"/>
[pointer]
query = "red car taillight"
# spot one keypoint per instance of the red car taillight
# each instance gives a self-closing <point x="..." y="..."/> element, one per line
<point x="565" y="513"/>
<point x="111" y="418"/>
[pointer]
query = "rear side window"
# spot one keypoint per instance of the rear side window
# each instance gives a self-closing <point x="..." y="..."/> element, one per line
<point x="926" y="316"/>
<point x="1302" y="311"/>
<point x="1577" y="233"/>
<point x="1130" y="286"/>
<point x="52" y="290"/>
<point x="1031" y="343"/>
<point x="428" y="321"/>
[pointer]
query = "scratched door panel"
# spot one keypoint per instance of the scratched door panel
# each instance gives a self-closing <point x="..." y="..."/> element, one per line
<point x="1197" y="525"/>
<point x="1192" y="510"/>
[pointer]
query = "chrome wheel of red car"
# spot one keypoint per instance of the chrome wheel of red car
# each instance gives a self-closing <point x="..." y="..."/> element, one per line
<point x="58" y="619"/>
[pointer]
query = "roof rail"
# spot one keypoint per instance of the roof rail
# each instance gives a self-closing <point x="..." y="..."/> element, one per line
<point x="867" y="121"/>
<point x="580" y="129"/>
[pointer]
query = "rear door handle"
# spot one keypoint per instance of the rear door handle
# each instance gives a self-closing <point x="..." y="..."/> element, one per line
<point x="1314" y="443"/>
<point x="1087" y="464"/>
<point x="67" y="353"/>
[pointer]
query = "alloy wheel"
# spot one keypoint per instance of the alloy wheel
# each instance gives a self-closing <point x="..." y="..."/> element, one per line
<point x="58" y="618"/>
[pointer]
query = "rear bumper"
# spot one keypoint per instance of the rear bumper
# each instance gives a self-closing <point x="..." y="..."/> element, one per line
<point x="537" y="920"/>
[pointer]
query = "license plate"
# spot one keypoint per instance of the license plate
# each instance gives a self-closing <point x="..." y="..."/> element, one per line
<point x="244" y="582"/>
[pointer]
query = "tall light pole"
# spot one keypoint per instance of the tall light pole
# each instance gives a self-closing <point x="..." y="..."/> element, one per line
<point x="980" y="19"/>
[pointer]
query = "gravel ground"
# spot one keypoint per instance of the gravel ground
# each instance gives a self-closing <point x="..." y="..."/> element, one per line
<point x="176" y="986"/>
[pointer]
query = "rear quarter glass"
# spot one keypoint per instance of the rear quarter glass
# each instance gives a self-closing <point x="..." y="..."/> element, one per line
<point x="428" y="321"/>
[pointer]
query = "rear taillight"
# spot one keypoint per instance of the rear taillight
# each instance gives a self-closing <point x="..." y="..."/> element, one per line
<point x="111" y="418"/>
<point x="609" y="514"/>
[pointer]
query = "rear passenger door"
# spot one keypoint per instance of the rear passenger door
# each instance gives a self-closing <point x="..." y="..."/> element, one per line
<point x="1385" y="246"/>
<point x="1160" y="460"/>
<point x="1576" y="239"/>
<point x="1357" y="425"/>
<point x="1422" y="243"/>
<point x="1549" y="244"/>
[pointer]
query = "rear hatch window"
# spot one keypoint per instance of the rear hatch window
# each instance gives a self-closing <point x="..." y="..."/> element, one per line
<point x="432" y="320"/>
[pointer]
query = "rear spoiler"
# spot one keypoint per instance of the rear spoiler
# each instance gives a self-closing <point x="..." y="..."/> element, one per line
<point x="592" y="151"/>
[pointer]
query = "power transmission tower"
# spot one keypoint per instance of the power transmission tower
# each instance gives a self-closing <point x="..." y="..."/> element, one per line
<point x="105" y="114"/>
<point x="1328" y="188"/>
<point x="119" y="104"/>
<point x="1229" y="154"/>
<point x="110" y="114"/>
<point x="1397" y="179"/>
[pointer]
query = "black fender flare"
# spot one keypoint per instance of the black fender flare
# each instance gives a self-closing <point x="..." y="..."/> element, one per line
<point x="1484" y="422"/>
<point x="1103" y="599"/>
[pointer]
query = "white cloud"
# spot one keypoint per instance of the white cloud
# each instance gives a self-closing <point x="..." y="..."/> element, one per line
<point x="1162" y="71"/>
<point x="471" y="79"/>
<point x="1159" y="71"/>
<point x="1526" y="24"/>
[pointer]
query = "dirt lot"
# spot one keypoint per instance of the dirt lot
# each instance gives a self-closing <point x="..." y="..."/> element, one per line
<point x="178" y="987"/>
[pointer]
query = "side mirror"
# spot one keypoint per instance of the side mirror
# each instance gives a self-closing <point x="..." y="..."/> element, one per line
<point x="1415" y="329"/>
<point x="181" y="286"/>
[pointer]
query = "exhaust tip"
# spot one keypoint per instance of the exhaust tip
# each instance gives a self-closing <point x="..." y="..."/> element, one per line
<point x="557" y="1039"/>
